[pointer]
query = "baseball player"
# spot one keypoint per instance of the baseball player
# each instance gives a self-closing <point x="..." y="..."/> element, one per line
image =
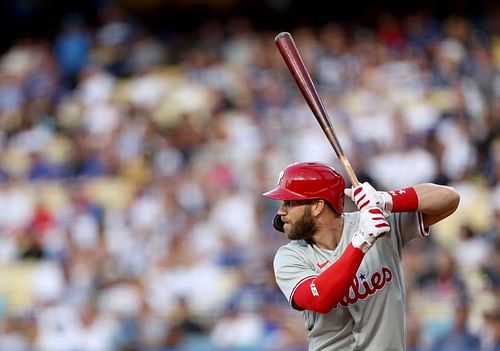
<point x="343" y="270"/>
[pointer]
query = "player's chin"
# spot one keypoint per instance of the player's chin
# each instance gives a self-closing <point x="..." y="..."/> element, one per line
<point x="286" y="228"/>
<point x="289" y="232"/>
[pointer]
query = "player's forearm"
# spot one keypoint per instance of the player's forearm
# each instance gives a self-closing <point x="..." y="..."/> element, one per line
<point x="436" y="202"/>
<point x="433" y="200"/>
<point x="324" y="292"/>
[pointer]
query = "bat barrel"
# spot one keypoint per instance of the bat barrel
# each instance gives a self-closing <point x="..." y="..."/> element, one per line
<point x="290" y="54"/>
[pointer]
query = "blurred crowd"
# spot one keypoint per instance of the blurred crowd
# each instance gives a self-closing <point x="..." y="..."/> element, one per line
<point x="132" y="163"/>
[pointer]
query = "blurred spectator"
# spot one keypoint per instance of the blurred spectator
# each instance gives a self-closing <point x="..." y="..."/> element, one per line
<point x="113" y="38"/>
<point x="11" y="335"/>
<point x="471" y="250"/>
<point x="459" y="338"/>
<point x="238" y="330"/>
<point x="413" y="334"/>
<point x="490" y="334"/>
<point x="439" y="290"/>
<point x="491" y="267"/>
<point x="72" y="49"/>
<point x="185" y="331"/>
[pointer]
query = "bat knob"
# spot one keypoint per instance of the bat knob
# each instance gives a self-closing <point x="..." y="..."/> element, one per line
<point x="282" y="35"/>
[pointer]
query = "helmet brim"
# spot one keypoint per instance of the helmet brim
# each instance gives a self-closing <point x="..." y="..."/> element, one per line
<point x="283" y="194"/>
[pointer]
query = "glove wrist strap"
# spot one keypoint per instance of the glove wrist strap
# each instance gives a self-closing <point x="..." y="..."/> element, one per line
<point x="365" y="246"/>
<point x="386" y="204"/>
<point x="360" y="242"/>
<point x="404" y="200"/>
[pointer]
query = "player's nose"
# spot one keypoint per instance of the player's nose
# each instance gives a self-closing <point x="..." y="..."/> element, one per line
<point x="282" y="210"/>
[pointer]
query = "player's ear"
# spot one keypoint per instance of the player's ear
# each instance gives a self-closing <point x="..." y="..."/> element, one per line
<point x="317" y="206"/>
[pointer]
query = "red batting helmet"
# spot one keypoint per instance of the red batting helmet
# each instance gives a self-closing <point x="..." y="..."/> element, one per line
<point x="310" y="180"/>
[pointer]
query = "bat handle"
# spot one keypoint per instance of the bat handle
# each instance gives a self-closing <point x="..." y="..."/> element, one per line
<point x="350" y="172"/>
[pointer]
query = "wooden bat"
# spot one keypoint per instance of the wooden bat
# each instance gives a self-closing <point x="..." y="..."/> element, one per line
<point x="296" y="66"/>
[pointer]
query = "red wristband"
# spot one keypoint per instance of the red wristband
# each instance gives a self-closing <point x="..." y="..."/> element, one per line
<point x="404" y="200"/>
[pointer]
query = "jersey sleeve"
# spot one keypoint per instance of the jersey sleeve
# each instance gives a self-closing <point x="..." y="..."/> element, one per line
<point x="407" y="226"/>
<point x="290" y="270"/>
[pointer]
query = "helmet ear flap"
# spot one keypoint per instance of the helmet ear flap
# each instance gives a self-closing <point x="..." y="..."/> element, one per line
<point x="278" y="223"/>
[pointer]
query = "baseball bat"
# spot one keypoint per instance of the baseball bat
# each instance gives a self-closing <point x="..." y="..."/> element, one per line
<point x="297" y="68"/>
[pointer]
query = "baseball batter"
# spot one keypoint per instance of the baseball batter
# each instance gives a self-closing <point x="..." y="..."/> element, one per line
<point x="343" y="270"/>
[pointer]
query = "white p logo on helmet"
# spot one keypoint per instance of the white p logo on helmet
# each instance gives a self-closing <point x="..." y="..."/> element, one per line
<point x="280" y="177"/>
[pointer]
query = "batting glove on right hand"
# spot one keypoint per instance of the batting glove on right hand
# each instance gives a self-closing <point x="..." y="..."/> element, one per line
<point x="365" y="196"/>
<point x="372" y="224"/>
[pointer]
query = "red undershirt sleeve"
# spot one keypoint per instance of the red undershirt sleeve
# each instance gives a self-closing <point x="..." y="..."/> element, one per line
<point x="323" y="292"/>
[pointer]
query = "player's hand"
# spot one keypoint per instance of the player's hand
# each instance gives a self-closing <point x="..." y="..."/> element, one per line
<point x="365" y="196"/>
<point x="372" y="225"/>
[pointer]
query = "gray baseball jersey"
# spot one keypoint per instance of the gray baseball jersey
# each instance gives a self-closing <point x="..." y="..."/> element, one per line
<point x="372" y="316"/>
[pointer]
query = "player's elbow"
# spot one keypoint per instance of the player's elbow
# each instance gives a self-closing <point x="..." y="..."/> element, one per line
<point x="447" y="201"/>
<point x="456" y="199"/>
<point x="437" y="199"/>
<point x="453" y="199"/>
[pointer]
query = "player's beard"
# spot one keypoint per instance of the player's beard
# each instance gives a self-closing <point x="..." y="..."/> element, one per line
<point x="304" y="228"/>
